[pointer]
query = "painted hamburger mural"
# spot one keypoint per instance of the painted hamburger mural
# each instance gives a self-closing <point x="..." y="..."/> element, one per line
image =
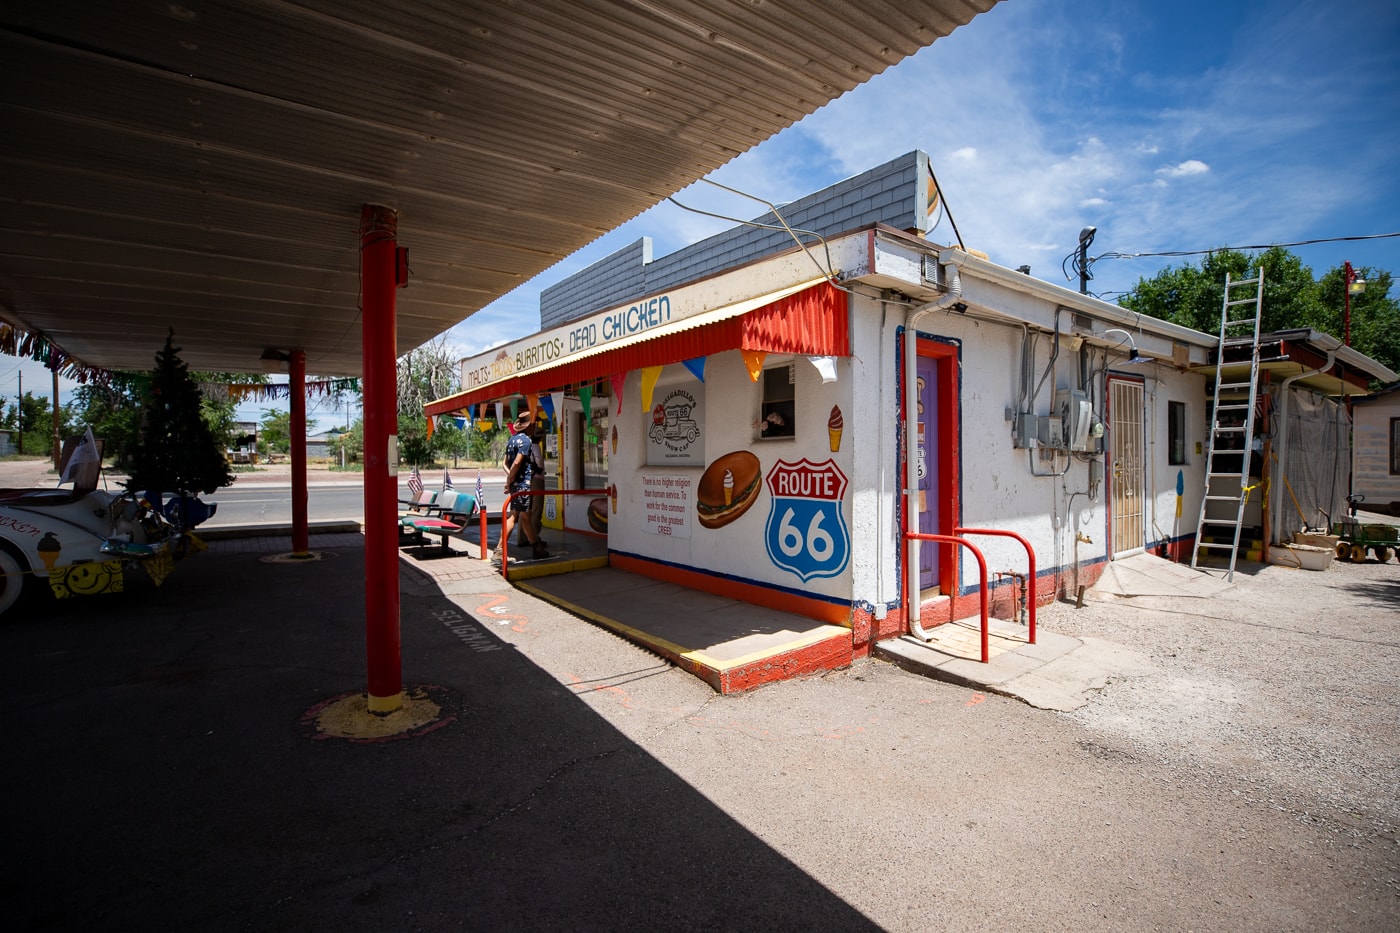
<point x="727" y="488"/>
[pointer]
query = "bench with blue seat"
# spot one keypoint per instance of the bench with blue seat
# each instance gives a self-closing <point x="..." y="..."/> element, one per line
<point x="448" y="516"/>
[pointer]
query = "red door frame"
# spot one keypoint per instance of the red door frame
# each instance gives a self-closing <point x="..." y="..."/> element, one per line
<point x="947" y="454"/>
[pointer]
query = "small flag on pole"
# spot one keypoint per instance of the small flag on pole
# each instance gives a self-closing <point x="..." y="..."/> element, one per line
<point x="446" y="479"/>
<point x="82" y="456"/>
<point x="480" y="493"/>
<point x="415" y="482"/>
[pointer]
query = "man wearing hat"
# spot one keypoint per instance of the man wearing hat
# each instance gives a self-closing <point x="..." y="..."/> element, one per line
<point x="520" y="472"/>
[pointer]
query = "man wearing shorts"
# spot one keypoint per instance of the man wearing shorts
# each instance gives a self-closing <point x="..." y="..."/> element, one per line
<point x="520" y="473"/>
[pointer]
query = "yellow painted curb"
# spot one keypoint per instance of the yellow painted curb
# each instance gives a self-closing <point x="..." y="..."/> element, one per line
<point x="638" y="635"/>
<point x="554" y="568"/>
<point x="805" y="640"/>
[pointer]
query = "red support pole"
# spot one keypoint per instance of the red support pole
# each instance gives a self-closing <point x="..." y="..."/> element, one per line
<point x="297" y="392"/>
<point x="378" y="278"/>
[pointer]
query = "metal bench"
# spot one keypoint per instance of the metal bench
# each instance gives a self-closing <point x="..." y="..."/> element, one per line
<point x="453" y="511"/>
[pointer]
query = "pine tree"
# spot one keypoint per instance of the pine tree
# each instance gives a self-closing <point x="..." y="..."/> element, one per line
<point x="177" y="453"/>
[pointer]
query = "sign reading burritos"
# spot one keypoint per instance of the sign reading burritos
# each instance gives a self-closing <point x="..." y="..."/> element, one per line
<point x="655" y="315"/>
<point x="552" y="345"/>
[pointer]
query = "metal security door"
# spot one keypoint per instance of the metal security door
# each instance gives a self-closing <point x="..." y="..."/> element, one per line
<point x="1126" y="463"/>
<point x="927" y="422"/>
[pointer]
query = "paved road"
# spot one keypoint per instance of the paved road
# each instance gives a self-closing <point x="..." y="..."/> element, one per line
<point x="267" y="503"/>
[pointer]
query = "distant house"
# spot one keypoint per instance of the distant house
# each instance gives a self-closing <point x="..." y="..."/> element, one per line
<point x="1376" y="439"/>
<point x="323" y="445"/>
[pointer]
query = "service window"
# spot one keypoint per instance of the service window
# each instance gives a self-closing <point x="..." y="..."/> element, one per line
<point x="1176" y="433"/>
<point x="595" y="440"/>
<point x="777" y="415"/>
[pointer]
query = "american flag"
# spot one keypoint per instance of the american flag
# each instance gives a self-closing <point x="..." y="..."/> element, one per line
<point x="415" y="482"/>
<point x="447" y="479"/>
<point x="480" y="493"/>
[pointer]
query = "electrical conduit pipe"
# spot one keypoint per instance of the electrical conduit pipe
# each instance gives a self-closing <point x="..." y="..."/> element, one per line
<point x="948" y="259"/>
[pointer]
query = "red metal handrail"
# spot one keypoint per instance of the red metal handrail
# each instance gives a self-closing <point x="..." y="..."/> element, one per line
<point x="505" y="544"/>
<point x="982" y="569"/>
<point x="1030" y="554"/>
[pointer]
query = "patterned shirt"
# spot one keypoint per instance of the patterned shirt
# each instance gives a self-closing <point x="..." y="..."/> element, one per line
<point x="519" y="446"/>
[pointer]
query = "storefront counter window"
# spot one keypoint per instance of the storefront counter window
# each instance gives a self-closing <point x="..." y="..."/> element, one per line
<point x="778" y="408"/>
<point x="594" y="441"/>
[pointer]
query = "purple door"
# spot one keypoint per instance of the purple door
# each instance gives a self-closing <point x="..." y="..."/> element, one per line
<point x="927" y="435"/>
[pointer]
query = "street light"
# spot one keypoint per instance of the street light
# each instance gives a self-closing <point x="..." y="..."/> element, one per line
<point x="1086" y="236"/>
<point x="1355" y="285"/>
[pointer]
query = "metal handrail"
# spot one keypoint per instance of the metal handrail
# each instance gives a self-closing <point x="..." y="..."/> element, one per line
<point x="982" y="569"/>
<point x="505" y="544"/>
<point x="1030" y="554"/>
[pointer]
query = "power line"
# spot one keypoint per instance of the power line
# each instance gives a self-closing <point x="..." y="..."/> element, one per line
<point x="1218" y="249"/>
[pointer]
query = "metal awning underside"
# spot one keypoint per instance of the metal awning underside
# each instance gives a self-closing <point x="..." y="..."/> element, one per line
<point x="202" y="165"/>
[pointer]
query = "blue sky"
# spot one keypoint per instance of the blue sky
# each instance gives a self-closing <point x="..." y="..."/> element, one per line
<point x="1166" y="126"/>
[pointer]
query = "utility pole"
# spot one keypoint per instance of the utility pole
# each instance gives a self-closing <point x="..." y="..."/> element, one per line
<point x="19" y="411"/>
<point x="57" y="441"/>
<point x="1086" y="236"/>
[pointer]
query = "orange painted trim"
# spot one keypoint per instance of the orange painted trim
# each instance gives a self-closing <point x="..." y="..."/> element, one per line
<point x="827" y="655"/>
<point x="757" y="594"/>
<point x="948" y="450"/>
<point x="949" y="447"/>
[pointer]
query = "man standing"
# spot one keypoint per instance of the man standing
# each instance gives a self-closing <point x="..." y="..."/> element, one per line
<point x="520" y="473"/>
<point x="536" y="485"/>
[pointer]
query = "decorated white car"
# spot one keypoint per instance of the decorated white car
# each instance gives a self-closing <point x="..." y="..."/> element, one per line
<point x="79" y="541"/>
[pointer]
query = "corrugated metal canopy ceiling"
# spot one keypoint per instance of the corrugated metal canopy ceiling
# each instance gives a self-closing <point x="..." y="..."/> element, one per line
<point x="202" y="165"/>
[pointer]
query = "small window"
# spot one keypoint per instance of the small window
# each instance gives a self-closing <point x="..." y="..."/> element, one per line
<point x="1176" y="433"/>
<point x="1395" y="445"/>
<point x="777" y="414"/>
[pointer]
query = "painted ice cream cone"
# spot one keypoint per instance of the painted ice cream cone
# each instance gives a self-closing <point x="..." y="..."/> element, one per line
<point x="614" y="439"/>
<point x="834" y="426"/>
<point x="612" y="491"/>
<point x="728" y="487"/>
<point x="48" y="548"/>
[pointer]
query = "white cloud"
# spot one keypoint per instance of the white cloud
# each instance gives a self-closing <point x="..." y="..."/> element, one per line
<point x="965" y="154"/>
<point x="1183" y="169"/>
<point x="1092" y="202"/>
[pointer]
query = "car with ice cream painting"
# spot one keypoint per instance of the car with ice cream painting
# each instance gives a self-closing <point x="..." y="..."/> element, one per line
<point x="77" y="541"/>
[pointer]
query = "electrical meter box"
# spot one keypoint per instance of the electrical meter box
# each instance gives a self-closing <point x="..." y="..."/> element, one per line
<point x="1077" y="416"/>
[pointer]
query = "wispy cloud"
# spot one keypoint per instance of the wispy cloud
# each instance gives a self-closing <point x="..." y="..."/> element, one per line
<point x="1183" y="169"/>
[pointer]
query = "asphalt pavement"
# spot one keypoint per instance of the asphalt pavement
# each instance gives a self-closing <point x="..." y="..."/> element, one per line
<point x="174" y="768"/>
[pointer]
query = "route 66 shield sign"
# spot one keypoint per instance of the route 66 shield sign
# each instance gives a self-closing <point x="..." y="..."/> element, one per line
<point x="806" y="533"/>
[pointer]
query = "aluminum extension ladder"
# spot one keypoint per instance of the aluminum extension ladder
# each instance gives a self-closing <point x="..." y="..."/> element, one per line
<point x="1238" y="315"/>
